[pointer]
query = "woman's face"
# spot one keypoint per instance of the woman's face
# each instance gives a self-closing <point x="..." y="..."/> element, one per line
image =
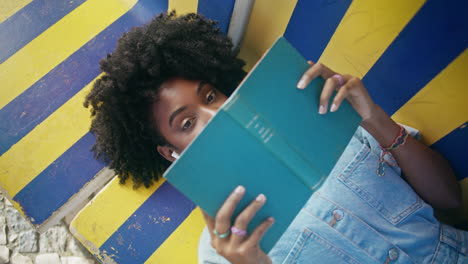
<point x="183" y="110"/>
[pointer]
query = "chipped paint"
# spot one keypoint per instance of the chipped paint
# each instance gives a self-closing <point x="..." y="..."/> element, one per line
<point x="103" y="256"/>
<point x="136" y="226"/>
<point x="160" y="219"/>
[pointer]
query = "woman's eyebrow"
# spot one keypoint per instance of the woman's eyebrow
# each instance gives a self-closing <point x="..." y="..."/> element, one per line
<point x="181" y="109"/>
<point x="175" y="113"/>
<point x="200" y="86"/>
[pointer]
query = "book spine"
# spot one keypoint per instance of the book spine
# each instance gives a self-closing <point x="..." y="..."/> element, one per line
<point x="257" y="126"/>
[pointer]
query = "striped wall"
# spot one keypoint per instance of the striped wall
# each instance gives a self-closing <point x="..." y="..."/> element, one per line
<point x="156" y="225"/>
<point x="44" y="127"/>
<point x="412" y="56"/>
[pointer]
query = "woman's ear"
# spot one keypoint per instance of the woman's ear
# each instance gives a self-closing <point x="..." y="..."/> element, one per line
<point x="166" y="152"/>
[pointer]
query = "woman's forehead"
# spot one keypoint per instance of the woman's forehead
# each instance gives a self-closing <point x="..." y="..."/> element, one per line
<point x="179" y="84"/>
<point x="174" y="94"/>
<point x="177" y="89"/>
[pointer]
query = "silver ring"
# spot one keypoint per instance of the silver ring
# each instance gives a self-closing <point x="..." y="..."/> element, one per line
<point x="222" y="235"/>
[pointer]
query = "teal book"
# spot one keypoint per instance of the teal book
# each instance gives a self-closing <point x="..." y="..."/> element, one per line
<point x="268" y="137"/>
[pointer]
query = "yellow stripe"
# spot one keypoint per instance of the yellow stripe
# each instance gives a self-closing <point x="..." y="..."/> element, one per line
<point x="265" y="26"/>
<point x="181" y="246"/>
<point x="45" y="143"/>
<point x="58" y="42"/>
<point x="183" y="6"/>
<point x="108" y="211"/>
<point x="365" y="32"/>
<point x="440" y="107"/>
<point x="10" y="7"/>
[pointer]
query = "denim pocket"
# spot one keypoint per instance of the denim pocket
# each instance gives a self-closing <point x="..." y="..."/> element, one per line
<point x="310" y="246"/>
<point x="389" y="194"/>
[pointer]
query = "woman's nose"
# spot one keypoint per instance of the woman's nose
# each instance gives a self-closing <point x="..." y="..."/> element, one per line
<point x="208" y="113"/>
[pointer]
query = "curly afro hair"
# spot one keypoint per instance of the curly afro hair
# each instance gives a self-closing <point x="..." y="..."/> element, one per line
<point x="188" y="46"/>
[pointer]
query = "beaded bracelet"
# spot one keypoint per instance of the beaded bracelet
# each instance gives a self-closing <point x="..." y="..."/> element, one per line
<point x="399" y="141"/>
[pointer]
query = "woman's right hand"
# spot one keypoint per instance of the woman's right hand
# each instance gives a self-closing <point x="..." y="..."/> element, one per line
<point x="237" y="248"/>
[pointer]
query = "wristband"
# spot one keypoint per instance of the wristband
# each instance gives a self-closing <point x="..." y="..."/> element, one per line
<point x="399" y="141"/>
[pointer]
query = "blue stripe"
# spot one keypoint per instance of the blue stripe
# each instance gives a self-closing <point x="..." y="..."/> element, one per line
<point x="26" y="24"/>
<point x="220" y="11"/>
<point x="312" y="25"/>
<point x="45" y="96"/>
<point x="453" y="147"/>
<point x="435" y="36"/>
<point x="149" y="226"/>
<point x="59" y="181"/>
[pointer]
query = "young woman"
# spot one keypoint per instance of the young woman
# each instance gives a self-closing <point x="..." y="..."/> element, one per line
<point x="167" y="79"/>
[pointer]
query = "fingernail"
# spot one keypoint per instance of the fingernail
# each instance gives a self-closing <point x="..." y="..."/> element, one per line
<point x="333" y="108"/>
<point x="271" y="219"/>
<point x="301" y="84"/>
<point x="321" y="109"/>
<point x="260" y="197"/>
<point x="239" y="189"/>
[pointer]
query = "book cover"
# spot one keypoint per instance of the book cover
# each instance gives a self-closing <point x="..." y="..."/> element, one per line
<point x="268" y="137"/>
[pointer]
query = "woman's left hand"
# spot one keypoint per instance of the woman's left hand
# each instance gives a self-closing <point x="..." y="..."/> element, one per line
<point x="348" y="86"/>
<point x="425" y="170"/>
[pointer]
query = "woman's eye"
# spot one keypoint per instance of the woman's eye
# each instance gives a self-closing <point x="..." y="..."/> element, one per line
<point x="187" y="124"/>
<point x="210" y="98"/>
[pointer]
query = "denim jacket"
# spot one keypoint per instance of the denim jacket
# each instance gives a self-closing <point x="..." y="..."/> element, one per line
<point x="360" y="217"/>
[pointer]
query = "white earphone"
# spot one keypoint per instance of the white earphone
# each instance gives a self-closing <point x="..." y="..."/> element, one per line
<point x="175" y="155"/>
